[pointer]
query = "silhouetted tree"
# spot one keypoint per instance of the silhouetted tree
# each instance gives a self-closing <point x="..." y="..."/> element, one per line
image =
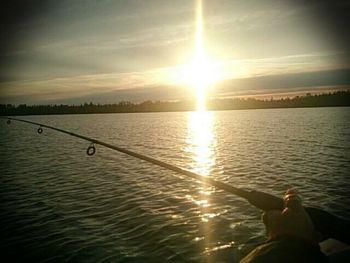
<point x="339" y="98"/>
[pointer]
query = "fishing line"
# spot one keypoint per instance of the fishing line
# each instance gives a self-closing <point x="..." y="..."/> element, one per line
<point x="326" y="223"/>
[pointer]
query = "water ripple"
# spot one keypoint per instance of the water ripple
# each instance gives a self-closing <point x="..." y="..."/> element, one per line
<point x="59" y="205"/>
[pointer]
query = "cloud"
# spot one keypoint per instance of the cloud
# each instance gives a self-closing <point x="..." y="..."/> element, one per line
<point x="140" y="86"/>
<point x="65" y="88"/>
<point x="285" y="83"/>
<point x="72" y="49"/>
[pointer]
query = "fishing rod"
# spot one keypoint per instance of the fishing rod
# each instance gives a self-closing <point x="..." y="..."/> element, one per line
<point x="327" y="224"/>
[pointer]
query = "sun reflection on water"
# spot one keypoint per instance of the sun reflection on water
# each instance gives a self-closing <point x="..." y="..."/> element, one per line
<point x="201" y="145"/>
<point x="201" y="141"/>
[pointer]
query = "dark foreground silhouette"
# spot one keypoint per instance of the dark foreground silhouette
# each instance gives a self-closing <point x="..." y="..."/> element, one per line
<point x="335" y="99"/>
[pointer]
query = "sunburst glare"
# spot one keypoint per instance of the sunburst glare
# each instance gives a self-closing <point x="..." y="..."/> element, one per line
<point x="201" y="72"/>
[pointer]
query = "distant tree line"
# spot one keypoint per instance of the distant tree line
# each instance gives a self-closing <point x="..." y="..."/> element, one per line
<point x="335" y="99"/>
<point x="86" y="108"/>
<point x="339" y="98"/>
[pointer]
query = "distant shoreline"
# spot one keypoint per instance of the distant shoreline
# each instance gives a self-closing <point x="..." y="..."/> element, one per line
<point x="335" y="99"/>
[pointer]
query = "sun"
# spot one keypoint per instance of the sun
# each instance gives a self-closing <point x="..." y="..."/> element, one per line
<point x="199" y="75"/>
<point x="201" y="72"/>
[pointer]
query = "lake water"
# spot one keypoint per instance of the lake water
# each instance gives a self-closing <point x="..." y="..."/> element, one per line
<point x="60" y="205"/>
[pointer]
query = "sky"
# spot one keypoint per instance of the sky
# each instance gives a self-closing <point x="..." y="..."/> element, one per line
<point x="104" y="51"/>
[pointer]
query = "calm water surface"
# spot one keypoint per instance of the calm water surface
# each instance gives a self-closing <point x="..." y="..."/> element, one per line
<point x="60" y="205"/>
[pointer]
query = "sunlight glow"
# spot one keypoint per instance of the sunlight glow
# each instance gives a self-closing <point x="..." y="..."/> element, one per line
<point x="200" y="73"/>
<point x="200" y="67"/>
